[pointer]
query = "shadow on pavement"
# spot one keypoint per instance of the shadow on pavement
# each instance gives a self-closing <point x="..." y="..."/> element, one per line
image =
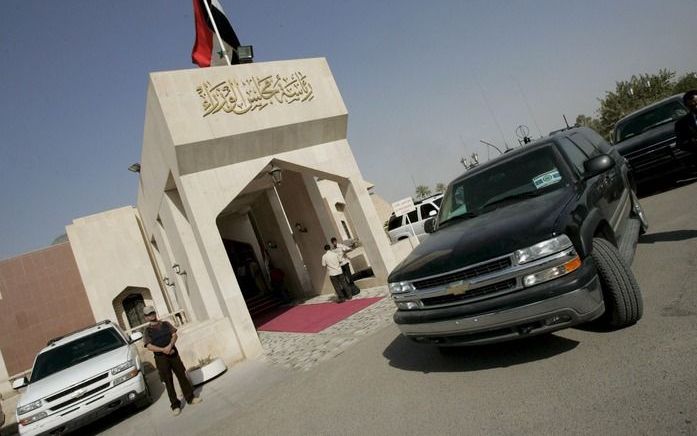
<point x="671" y="236"/>
<point x="648" y="189"/>
<point x="157" y="389"/>
<point x="405" y="354"/>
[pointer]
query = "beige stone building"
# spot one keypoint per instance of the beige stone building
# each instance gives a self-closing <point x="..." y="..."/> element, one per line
<point x="244" y="169"/>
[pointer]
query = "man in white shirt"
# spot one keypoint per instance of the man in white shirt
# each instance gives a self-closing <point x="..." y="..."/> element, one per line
<point x="341" y="250"/>
<point x="332" y="262"/>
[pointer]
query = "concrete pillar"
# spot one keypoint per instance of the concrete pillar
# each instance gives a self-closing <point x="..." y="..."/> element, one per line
<point x="299" y="269"/>
<point x="367" y="224"/>
<point x="318" y="204"/>
<point x="186" y="254"/>
<point x="164" y="257"/>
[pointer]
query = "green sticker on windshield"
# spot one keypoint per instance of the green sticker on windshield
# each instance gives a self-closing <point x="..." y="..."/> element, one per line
<point x="546" y="179"/>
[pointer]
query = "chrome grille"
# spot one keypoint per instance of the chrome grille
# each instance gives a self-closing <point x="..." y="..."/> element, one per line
<point x="467" y="273"/>
<point x="80" y="398"/>
<point x="474" y="293"/>
<point x="76" y="387"/>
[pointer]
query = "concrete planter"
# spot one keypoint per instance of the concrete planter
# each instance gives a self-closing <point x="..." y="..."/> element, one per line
<point x="209" y="371"/>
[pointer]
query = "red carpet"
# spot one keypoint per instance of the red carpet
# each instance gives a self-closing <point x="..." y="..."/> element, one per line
<point x="312" y="318"/>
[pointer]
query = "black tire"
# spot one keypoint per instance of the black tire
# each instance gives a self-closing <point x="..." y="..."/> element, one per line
<point x="638" y="212"/>
<point x="623" y="303"/>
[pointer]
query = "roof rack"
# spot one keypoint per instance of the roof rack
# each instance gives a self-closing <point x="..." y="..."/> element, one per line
<point x="56" y="339"/>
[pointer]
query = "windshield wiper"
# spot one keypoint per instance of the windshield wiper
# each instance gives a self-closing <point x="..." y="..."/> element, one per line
<point x="527" y="194"/>
<point x="463" y="216"/>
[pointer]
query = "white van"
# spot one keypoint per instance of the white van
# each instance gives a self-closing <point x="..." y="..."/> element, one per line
<point x="398" y="228"/>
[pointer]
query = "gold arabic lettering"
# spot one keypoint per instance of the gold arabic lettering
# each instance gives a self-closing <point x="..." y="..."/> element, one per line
<point x="254" y="93"/>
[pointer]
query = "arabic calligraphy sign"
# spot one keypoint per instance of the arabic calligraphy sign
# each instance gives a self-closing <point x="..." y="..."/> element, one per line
<point x="254" y="93"/>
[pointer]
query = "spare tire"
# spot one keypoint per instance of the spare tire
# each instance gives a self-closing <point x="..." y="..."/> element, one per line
<point x="623" y="302"/>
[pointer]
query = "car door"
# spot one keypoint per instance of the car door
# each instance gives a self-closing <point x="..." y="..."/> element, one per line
<point x="612" y="183"/>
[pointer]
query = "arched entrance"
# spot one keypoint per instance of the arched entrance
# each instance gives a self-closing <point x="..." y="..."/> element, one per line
<point x="129" y="304"/>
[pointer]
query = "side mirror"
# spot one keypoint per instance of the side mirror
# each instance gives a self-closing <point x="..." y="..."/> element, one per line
<point x="136" y="336"/>
<point x="430" y="225"/>
<point x="598" y="165"/>
<point x="19" y="383"/>
<point x="433" y="213"/>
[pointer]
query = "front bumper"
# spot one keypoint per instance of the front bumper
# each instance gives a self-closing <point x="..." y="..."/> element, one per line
<point x="658" y="161"/>
<point x="89" y="410"/>
<point x="581" y="304"/>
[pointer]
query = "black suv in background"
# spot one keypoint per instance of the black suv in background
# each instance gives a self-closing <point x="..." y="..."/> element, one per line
<point x="646" y="138"/>
<point x="537" y="240"/>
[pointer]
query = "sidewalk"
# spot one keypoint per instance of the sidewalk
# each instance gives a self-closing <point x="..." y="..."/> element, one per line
<point x="302" y="351"/>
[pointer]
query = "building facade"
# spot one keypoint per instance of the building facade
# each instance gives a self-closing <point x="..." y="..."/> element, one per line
<point x="244" y="170"/>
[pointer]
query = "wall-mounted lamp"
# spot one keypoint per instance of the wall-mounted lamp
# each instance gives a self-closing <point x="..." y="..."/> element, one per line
<point x="167" y="281"/>
<point x="271" y="244"/>
<point x="299" y="227"/>
<point x="135" y="168"/>
<point x="177" y="269"/>
<point x="276" y="175"/>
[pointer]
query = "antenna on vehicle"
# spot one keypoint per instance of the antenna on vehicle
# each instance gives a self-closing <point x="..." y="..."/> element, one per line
<point x="567" y="123"/>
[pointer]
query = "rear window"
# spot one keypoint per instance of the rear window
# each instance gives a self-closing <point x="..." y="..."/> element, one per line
<point x="74" y="352"/>
<point x="395" y="222"/>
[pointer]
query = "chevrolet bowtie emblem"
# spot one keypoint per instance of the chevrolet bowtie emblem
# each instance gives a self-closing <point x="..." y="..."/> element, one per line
<point x="78" y="393"/>
<point x="458" y="288"/>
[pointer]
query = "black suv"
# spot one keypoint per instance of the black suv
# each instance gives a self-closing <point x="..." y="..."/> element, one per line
<point x="534" y="241"/>
<point x="647" y="139"/>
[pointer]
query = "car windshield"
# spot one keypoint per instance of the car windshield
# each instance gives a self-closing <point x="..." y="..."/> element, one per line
<point x="64" y="356"/>
<point x="662" y="114"/>
<point x="528" y="175"/>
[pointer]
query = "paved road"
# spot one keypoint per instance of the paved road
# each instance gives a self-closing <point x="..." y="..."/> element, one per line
<point x="640" y="380"/>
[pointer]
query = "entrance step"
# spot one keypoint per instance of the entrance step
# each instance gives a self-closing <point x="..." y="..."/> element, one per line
<point x="260" y="304"/>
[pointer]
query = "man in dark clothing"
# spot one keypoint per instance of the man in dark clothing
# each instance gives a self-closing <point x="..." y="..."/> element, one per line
<point x="160" y="337"/>
<point x="686" y="127"/>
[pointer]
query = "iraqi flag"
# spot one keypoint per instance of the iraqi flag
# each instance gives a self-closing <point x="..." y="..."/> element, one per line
<point x="207" y="50"/>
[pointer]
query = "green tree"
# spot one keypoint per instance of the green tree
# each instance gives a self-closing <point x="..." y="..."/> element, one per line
<point x="628" y="96"/>
<point x="422" y="191"/>
<point x="440" y="187"/>
<point x="685" y="83"/>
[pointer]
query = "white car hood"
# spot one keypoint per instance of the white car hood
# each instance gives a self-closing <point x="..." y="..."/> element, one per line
<point x="75" y="374"/>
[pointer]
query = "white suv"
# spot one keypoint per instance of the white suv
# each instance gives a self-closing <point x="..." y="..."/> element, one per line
<point x="80" y="377"/>
<point x="398" y="228"/>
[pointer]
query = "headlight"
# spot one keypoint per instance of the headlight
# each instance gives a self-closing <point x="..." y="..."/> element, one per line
<point x="401" y="287"/>
<point x="407" y="305"/>
<point x="33" y="418"/>
<point x="22" y="410"/>
<point x="129" y="375"/>
<point x="542" y="249"/>
<point x="124" y="366"/>
<point x="552" y="273"/>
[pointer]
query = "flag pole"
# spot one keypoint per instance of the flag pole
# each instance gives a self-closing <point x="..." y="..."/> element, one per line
<point x="217" y="34"/>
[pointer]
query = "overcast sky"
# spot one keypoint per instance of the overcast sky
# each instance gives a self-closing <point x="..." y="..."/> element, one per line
<point x="423" y="83"/>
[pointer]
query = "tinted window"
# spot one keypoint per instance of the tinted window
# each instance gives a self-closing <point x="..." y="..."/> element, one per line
<point x="599" y="142"/>
<point x="584" y="144"/>
<point x="575" y="155"/>
<point x="426" y="209"/>
<point x="438" y="201"/>
<point x="70" y="354"/>
<point x="395" y="222"/>
<point x="528" y="175"/>
<point x="413" y="216"/>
